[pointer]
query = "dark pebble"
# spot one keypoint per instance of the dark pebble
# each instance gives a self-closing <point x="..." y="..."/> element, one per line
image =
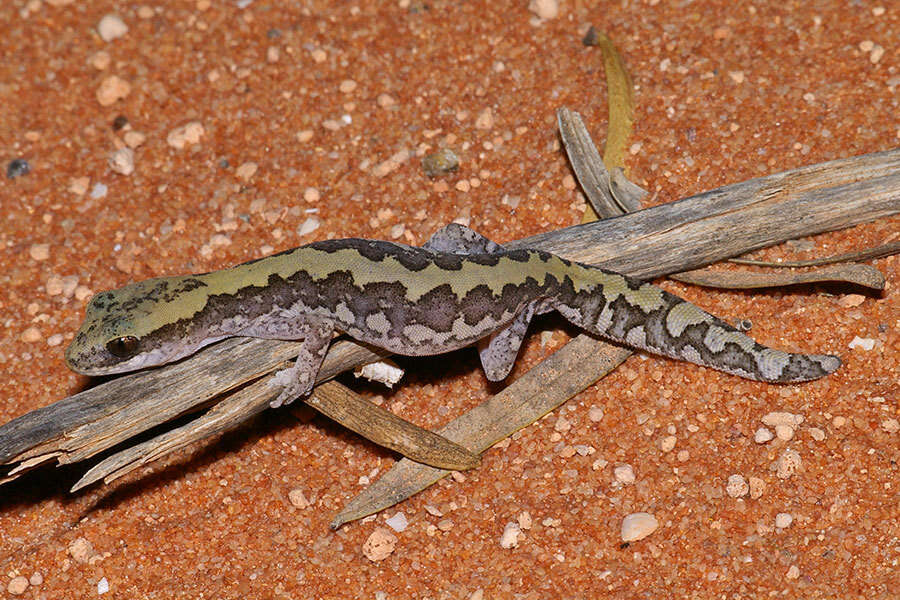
<point x="440" y="163"/>
<point x="17" y="167"/>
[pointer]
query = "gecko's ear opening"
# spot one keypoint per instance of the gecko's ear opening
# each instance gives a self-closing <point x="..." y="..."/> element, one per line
<point x="123" y="347"/>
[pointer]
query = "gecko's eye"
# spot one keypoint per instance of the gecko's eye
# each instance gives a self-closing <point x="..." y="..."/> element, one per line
<point x="123" y="347"/>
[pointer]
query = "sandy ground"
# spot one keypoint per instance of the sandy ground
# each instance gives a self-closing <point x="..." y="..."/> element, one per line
<point x="256" y="126"/>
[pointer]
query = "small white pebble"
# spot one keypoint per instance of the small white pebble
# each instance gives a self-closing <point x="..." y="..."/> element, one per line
<point x="816" y="434"/>
<point x="584" y="450"/>
<point x="762" y="436"/>
<point x="308" y="226"/>
<point x="99" y="191"/>
<point x="737" y="486"/>
<point x="82" y="292"/>
<point x="637" y="526"/>
<point x="347" y="86"/>
<point x="877" y="53"/>
<point x="133" y="139"/>
<point x="385" y="100"/>
<point x="890" y="425"/>
<point x="485" y="119"/>
<point x="54" y="285"/>
<point x="81" y="550"/>
<point x="667" y="444"/>
<point x="784" y="432"/>
<point x="773" y="419"/>
<point x="392" y="163"/>
<point x="122" y="161"/>
<point x="298" y="498"/>
<point x="398" y="522"/>
<point x="39" y="252"/>
<point x="598" y="464"/>
<point x="624" y="474"/>
<point x="757" y="487"/>
<point x="100" y="60"/>
<point x="31" y="335"/>
<point x="112" y="89"/>
<point x="510" y="537"/>
<point x="793" y="572"/>
<point x="788" y="464"/>
<point x="562" y="425"/>
<point x="102" y="586"/>
<point x="864" y="343"/>
<point x="304" y="136"/>
<point x="79" y="185"/>
<point x="379" y="545"/>
<point x="595" y="414"/>
<point x="783" y="520"/>
<point x="246" y="171"/>
<point x="111" y="27"/>
<point x="311" y="194"/>
<point x="736" y="76"/>
<point x="187" y="134"/>
<point x="524" y="520"/>
<point x="36" y="579"/>
<point x="544" y="9"/>
<point x="55" y="340"/>
<point x="839" y="421"/>
<point x="445" y="524"/>
<point x="17" y="585"/>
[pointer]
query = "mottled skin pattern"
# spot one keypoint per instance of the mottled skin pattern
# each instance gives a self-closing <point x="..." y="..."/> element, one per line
<point x="460" y="288"/>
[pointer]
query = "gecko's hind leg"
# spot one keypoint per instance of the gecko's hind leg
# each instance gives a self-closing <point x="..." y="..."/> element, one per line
<point x="499" y="350"/>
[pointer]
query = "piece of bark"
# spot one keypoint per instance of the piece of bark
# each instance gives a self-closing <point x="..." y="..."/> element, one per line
<point x="862" y="275"/>
<point x="331" y="398"/>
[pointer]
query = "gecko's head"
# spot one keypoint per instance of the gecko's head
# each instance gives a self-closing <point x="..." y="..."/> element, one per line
<point x="143" y="324"/>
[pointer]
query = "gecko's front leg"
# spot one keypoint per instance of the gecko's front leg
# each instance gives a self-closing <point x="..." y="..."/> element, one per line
<point x="315" y="335"/>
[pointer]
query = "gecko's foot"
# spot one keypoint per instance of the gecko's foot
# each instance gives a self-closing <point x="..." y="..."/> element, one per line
<point x="292" y="386"/>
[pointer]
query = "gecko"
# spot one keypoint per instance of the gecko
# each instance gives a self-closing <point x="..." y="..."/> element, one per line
<point x="458" y="289"/>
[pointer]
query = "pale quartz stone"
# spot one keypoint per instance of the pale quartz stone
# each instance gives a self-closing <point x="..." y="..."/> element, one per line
<point x="637" y="526"/>
<point x="737" y="486"/>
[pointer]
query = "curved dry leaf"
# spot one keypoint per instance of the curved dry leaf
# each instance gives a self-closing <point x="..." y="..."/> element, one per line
<point x="863" y="275"/>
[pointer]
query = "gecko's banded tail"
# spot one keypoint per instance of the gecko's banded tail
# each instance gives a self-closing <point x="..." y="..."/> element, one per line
<point x="647" y="317"/>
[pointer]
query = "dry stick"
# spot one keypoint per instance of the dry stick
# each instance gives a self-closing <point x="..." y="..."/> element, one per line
<point x="734" y="219"/>
<point x="855" y="256"/>
<point x="862" y="275"/>
<point x="378" y="425"/>
<point x="331" y="398"/>
<point x="674" y="237"/>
